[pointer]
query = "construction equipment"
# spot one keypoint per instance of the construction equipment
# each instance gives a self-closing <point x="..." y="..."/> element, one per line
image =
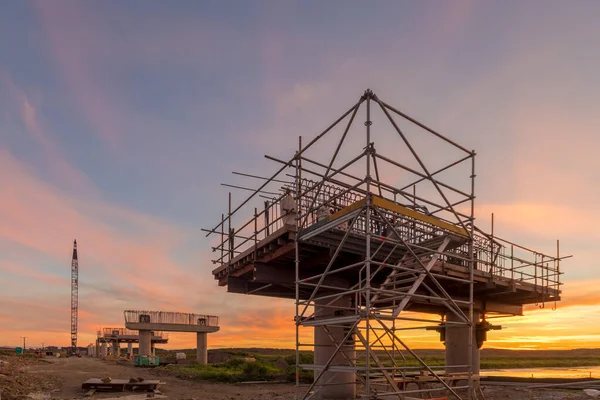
<point x="146" y="361"/>
<point x="74" y="298"/>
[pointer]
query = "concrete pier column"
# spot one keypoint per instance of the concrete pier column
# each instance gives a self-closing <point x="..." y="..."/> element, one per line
<point x="97" y="349"/>
<point x="145" y="337"/>
<point x="130" y="350"/>
<point x="103" y="350"/>
<point x="153" y="350"/>
<point x="201" y="348"/>
<point x="457" y="345"/>
<point x="342" y="385"/>
<point x="116" y="349"/>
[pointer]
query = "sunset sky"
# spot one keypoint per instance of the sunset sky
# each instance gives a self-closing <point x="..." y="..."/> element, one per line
<point x="120" y="119"/>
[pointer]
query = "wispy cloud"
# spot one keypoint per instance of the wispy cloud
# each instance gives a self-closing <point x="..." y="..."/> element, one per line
<point x="32" y="274"/>
<point x="71" y="32"/>
<point x="25" y="110"/>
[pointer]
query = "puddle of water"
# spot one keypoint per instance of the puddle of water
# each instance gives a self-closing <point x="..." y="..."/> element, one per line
<point x="559" y="372"/>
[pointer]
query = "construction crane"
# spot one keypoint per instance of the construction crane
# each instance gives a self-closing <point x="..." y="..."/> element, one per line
<point x="74" y="298"/>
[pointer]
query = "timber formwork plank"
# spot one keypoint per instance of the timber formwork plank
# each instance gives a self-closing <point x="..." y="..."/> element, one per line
<point x="120" y="385"/>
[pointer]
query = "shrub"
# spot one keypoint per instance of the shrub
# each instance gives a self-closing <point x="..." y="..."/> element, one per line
<point x="255" y="370"/>
<point x="305" y="358"/>
<point x="233" y="363"/>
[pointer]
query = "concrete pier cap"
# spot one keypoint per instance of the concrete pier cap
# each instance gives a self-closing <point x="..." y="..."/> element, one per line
<point x="116" y="336"/>
<point x="147" y="321"/>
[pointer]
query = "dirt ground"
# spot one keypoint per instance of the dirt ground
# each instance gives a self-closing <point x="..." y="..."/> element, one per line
<point x="65" y="376"/>
<point x="62" y="378"/>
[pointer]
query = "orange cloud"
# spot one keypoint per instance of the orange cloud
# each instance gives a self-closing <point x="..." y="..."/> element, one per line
<point x="544" y="220"/>
<point x="125" y="257"/>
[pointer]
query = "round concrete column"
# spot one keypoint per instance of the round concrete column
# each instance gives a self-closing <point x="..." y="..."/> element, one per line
<point x="145" y="337"/>
<point x="342" y="385"/>
<point x="116" y="349"/>
<point x="103" y="350"/>
<point x="202" y="348"/>
<point x="130" y="350"/>
<point x="457" y="345"/>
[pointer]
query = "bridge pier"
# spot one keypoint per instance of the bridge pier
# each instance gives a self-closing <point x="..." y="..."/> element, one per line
<point x="145" y="346"/>
<point x="202" y="347"/>
<point x="115" y="349"/>
<point x="457" y="345"/>
<point x="342" y="385"/>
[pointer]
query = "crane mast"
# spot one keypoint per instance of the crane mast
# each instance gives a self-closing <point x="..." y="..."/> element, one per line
<point x="74" y="297"/>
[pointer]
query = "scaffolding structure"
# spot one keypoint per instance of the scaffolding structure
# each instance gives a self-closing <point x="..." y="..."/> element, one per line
<point x="374" y="247"/>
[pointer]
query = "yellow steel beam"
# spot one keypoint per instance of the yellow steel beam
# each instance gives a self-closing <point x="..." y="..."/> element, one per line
<point x="347" y="210"/>
<point x="397" y="208"/>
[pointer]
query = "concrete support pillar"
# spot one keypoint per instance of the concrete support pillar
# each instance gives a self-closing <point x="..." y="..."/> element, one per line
<point x="342" y="385"/>
<point x="202" y="348"/>
<point x="457" y="345"/>
<point x="97" y="349"/>
<point x="103" y="350"/>
<point x="145" y="337"/>
<point x="116" y="349"/>
<point x="130" y="350"/>
<point x="153" y="350"/>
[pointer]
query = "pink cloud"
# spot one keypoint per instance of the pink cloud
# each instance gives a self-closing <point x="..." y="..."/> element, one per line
<point x="35" y="127"/>
<point x="72" y="31"/>
<point x="87" y="53"/>
<point x="32" y="274"/>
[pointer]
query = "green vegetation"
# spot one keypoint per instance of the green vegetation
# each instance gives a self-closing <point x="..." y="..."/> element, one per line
<point x="215" y="372"/>
<point x="238" y="370"/>
<point x="239" y="365"/>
